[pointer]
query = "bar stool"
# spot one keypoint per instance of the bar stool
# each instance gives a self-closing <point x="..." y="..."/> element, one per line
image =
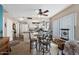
<point x="34" y="43"/>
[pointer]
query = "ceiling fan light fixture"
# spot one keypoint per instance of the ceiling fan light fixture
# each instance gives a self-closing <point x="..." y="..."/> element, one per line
<point x="36" y="11"/>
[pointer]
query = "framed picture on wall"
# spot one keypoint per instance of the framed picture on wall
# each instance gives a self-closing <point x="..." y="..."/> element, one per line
<point x="65" y="34"/>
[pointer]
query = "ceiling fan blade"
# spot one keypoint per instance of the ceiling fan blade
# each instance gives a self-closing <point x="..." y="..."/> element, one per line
<point x="46" y="11"/>
<point x="45" y="14"/>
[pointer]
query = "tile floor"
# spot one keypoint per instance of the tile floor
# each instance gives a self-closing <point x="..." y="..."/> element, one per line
<point x="23" y="49"/>
<point x="53" y="50"/>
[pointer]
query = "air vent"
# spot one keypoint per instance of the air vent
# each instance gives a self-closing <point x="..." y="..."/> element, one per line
<point x="29" y="18"/>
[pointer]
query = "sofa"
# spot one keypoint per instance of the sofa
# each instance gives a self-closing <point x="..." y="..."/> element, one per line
<point x="71" y="48"/>
<point x="60" y="43"/>
<point x="4" y="45"/>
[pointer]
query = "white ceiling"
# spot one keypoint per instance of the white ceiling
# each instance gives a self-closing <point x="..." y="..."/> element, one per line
<point x="28" y="10"/>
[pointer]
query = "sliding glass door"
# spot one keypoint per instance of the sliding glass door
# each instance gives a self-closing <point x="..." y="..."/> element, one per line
<point x="64" y="23"/>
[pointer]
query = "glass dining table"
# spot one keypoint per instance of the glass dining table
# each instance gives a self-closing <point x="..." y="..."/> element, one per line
<point x="43" y="40"/>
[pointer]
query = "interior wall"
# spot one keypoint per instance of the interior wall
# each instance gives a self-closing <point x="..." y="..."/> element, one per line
<point x="4" y="27"/>
<point x="9" y="29"/>
<point x="5" y="16"/>
<point x="55" y="28"/>
<point x="23" y="28"/>
<point x="10" y="23"/>
<point x="7" y="26"/>
<point x="71" y="9"/>
<point x="1" y="20"/>
<point x="16" y="26"/>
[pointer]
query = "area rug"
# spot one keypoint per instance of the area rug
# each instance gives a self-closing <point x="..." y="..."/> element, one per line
<point x="13" y="43"/>
<point x="23" y="48"/>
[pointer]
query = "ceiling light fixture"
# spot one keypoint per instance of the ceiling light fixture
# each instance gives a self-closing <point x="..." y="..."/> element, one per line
<point x="21" y="19"/>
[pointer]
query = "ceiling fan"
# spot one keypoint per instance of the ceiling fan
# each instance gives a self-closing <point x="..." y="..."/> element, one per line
<point x="43" y="12"/>
<point x="40" y="12"/>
